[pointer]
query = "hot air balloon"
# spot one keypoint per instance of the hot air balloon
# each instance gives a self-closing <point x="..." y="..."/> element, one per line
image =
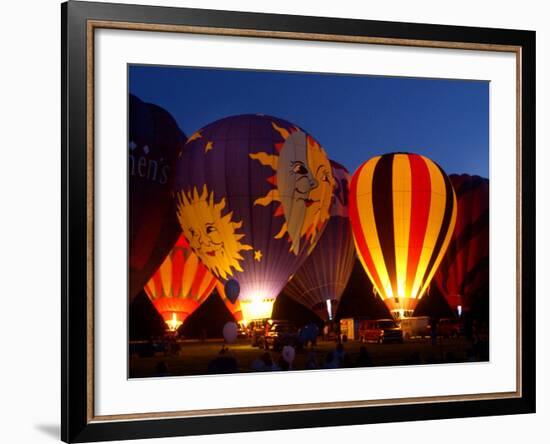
<point x="464" y="270"/>
<point x="180" y="285"/>
<point x="403" y="212"/>
<point x="321" y="280"/>
<point x="253" y="194"/>
<point x="154" y="142"/>
<point x="233" y="307"/>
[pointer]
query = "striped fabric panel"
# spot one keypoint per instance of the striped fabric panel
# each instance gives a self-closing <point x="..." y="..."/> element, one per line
<point x="403" y="211"/>
<point x="363" y="226"/>
<point x="182" y="279"/>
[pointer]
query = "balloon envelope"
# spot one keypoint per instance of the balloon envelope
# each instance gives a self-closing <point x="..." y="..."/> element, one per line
<point x="233" y="307"/>
<point x="179" y="285"/>
<point x="464" y="270"/>
<point x="232" y="290"/>
<point x="320" y="281"/>
<point x="402" y="212"/>
<point x="253" y="194"/>
<point x="288" y="353"/>
<point x="154" y="142"/>
<point x="230" y="332"/>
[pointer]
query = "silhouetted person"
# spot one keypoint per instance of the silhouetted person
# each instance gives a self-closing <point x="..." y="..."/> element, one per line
<point x="364" y="359"/>
<point x="311" y="362"/>
<point x="264" y="363"/>
<point x="224" y="363"/>
<point x="470" y="355"/>
<point x="162" y="369"/>
<point x="283" y="365"/>
<point x="433" y="330"/>
<point x="413" y="359"/>
<point x="450" y="357"/>
<point x="340" y="353"/>
<point x="325" y="332"/>
<point x="331" y="361"/>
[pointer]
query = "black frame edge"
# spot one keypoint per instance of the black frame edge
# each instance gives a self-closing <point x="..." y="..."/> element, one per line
<point x="528" y="210"/>
<point x="74" y="423"/>
<point x="74" y="277"/>
<point x="64" y="357"/>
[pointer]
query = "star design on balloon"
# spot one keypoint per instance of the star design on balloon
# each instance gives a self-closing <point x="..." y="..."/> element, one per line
<point x="258" y="255"/>
<point x="132" y="145"/>
<point x="208" y="146"/>
<point x="194" y="136"/>
<point x="146" y="149"/>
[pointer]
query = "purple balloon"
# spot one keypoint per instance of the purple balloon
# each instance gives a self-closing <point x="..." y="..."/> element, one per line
<point x="253" y="194"/>
<point x="154" y="140"/>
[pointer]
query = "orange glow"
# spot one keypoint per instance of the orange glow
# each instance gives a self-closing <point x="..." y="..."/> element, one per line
<point x="173" y="323"/>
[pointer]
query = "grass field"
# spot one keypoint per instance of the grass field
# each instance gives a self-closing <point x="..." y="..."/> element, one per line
<point x="193" y="356"/>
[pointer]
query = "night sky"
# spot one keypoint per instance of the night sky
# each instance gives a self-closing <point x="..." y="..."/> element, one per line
<point x="354" y="117"/>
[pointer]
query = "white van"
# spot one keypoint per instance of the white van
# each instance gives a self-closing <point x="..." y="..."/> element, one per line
<point x="415" y="327"/>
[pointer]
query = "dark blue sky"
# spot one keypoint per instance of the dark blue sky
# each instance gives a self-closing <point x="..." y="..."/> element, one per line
<point x="353" y="117"/>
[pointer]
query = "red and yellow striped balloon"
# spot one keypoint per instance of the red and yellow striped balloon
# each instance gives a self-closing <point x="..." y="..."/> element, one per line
<point x="402" y="212"/>
<point x="180" y="285"/>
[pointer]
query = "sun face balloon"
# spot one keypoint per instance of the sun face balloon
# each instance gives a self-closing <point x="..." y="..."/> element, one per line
<point x="180" y="285"/>
<point x="464" y="269"/>
<point x="154" y="142"/>
<point x="403" y="212"/>
<point x="321" y="280"/>
<point x="253" y="194"/>
<point x="212" y="234"/>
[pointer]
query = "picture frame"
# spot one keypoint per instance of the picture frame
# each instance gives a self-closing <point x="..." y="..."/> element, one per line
<point x="80" y="22"/>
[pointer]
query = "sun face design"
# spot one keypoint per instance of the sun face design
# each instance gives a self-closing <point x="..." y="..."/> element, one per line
<point x="211" y="235"/>
<point x="304" y="185"/>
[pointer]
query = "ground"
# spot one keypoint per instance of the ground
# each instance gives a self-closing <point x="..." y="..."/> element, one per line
<point x="194" y="356"/>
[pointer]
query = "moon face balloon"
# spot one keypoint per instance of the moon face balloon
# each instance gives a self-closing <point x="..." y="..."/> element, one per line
<point x="154" y="142"/>
<point x="321" y="280"/>
<point x="253" y="194"/>
<point x="403" y="212"/>
<point x="464" y="270"/>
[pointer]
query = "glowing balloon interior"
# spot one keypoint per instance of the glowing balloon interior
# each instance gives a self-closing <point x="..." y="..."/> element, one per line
<point x="464" y="270"/>
<point x="180" y="285"/>
<point x="321" y="280"/>
<point x="403" y="212"/>
<point x="253" y="194"/>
